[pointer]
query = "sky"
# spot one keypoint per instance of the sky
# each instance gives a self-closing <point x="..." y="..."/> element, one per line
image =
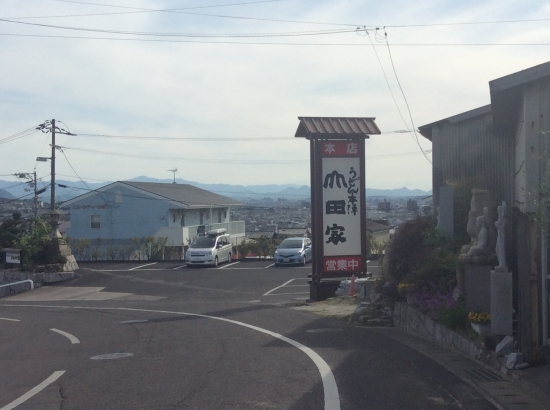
<point x="214" y="88"/>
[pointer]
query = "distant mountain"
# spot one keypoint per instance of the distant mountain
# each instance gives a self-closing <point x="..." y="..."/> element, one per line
<point x="71" y="189"/>
<point x="5" y="194"/>
<point x="396" y="192"/>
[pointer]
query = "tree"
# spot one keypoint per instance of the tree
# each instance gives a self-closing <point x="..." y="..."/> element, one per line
<point x="35" y="244"/>
<point x="11" y="230"/>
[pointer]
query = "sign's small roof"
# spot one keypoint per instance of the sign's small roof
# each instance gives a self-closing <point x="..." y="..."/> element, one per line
<point x="336" y="127"/>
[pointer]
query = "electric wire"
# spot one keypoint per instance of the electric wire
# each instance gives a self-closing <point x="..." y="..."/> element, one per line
<point x="153" y="40"/>
<point x="145" y="10"/>
<point x="405" y="98"/>
<point x="212" y="15"/>
<point x="18" y="135"/>
<point x="220" y="160"/>
<point x="209" y="139"/>
<point x="387" y="81"/>
<point x="194" y="35"/>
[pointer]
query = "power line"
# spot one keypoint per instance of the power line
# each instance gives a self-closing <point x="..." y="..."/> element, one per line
<point x="387" y="81"/>
<point x="405" y="98"/>
<point x="195" y="35"/>
<point x="193" y="160"/>
<point x="280" y="44"/>
<point x="138" y="9"/>
<point x="18" y="135"/>
<point x="209" y="139"/>
<point x="211" y="15"/>
<point x="221" y="160"/>
<point x="465" y="23"/>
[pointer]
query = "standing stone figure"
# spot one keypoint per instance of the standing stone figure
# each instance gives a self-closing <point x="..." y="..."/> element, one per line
<point x="500" y="251"/>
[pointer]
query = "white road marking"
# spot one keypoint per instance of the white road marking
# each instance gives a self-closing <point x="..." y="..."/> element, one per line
<point x="294" y="293"/>
<point x="278" y="287"/>
<point x="124" y="322"/>
<point x="179" y="267"/>
<point x="332" y="397"/>
<point x="142" y="266"/>
<point x="229" y="264"/>
<point x="269" y="266"/>
<point x="11" y="320"/>
<point x="55" y="375"/>
<point x="73" y="339"/>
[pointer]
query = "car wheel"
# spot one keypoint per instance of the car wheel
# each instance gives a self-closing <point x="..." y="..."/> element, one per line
<point x="229" y="257"/>
<point x="304" y="261"/>
<point x="216" y="261"/>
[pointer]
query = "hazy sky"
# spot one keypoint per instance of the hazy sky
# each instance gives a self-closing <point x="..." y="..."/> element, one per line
<point x="134" y="68"/>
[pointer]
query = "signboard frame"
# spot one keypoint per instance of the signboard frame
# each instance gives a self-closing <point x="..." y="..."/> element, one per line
<point x="318" y="208"/>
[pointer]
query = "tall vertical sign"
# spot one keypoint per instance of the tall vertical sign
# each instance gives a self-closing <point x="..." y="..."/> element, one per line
<point x="338" y="210"/>
<point x="342" y="204"/>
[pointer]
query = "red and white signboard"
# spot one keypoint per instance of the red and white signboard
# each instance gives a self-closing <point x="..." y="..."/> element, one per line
<point x="342" y="203"/>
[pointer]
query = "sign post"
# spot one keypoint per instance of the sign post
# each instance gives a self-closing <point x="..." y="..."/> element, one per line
<point x="338" y="206"/>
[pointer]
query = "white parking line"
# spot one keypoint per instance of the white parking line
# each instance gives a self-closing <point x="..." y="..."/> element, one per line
<point x="55" y="375"/>
<point x="294" y="293"/>
<point x="229" y="264"/>
<point x="269" y="266"/>
<point x="142" y="266"/>
<point x="179" y="267"/>
<point x="278" y="287"/>
<point x="11" y="320"/>
<point x="73" y="339"/>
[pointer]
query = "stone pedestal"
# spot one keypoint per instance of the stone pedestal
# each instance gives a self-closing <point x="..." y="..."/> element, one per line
<point x="477" y="287"/>
<point x="502" y="309"/>
<point x="71" y="265"/>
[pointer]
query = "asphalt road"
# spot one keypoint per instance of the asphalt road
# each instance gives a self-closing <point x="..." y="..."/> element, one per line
<point x="204" y="339"/>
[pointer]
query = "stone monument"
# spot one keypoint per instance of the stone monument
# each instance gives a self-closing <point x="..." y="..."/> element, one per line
<point x="478" y="256"/>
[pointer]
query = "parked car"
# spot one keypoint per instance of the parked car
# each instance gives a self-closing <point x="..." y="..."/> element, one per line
<point x="293" y="251"/>
<point x="210" y="249"/>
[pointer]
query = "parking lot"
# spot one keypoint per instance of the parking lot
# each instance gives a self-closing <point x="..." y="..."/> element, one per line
<point x="251" y="281"/>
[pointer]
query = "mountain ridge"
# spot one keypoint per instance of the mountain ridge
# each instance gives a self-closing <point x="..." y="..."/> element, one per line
<point x="240" y="192"/>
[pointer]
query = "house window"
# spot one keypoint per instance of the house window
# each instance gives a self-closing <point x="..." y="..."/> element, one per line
<point x="96" y="221"/>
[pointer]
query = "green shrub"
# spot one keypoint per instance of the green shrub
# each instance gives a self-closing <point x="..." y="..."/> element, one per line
<point x="454" y="318"/>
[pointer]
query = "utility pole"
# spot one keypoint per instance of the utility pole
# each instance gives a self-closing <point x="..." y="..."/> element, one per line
<point x="35" y="197"/>
<point x="52" y="187"/>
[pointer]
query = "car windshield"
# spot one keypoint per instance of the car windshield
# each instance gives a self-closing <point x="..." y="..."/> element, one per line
<point x="291" y="243"/>
<point x="203" y="242"/>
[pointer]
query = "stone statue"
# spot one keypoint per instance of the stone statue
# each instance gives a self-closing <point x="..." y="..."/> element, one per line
<point x="500" y="247"/>
<point x="480" y="246"/>
<point x="481" y="199"/>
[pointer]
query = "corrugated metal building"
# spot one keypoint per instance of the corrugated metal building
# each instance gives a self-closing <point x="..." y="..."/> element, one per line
<point x="503" y="147"/>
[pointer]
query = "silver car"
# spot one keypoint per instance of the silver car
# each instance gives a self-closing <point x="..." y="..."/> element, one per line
<point x="293" y="251"/>
<point x="211" y="249"/>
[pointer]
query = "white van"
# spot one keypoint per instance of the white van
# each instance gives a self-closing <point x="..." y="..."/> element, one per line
<point x="210" y="249"/>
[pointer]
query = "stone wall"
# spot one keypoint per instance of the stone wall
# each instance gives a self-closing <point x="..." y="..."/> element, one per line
<point x="39" y="279"/>
<point x="412" y="321"/>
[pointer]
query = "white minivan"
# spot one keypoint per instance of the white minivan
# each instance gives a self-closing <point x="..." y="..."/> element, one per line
<point x="210" y="249"/>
